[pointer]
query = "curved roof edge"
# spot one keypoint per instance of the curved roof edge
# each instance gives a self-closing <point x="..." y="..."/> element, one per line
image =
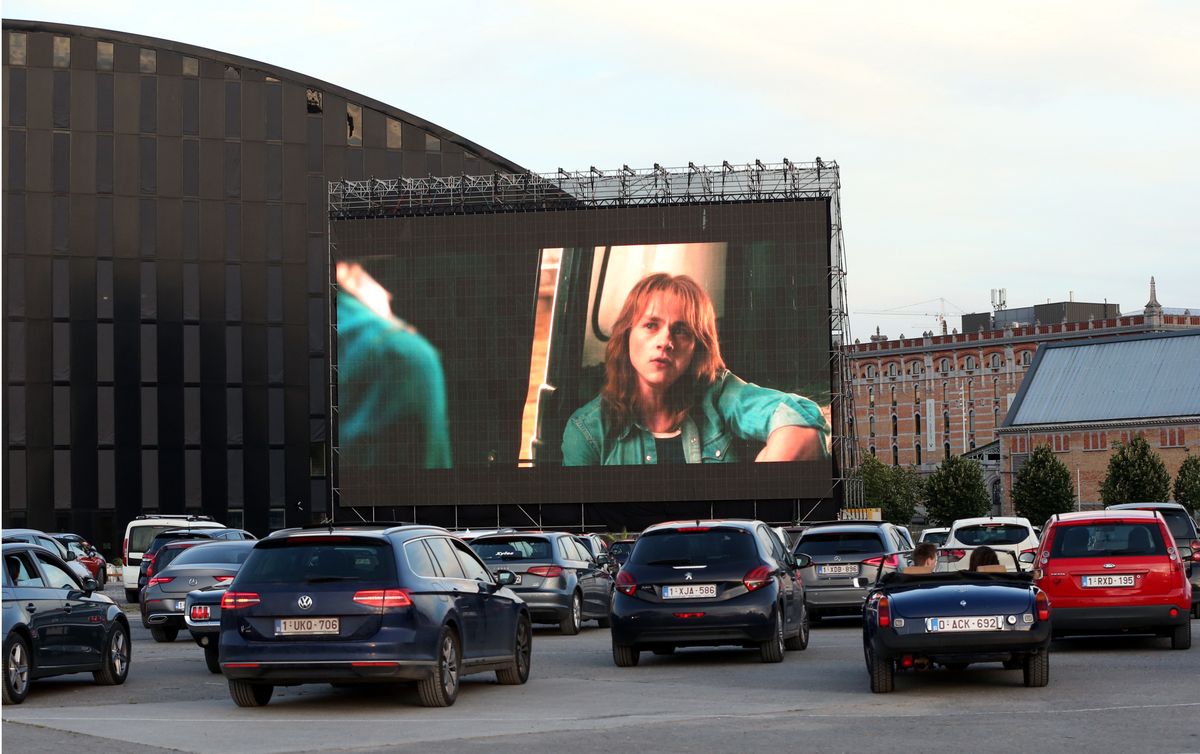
<point x="109" y="35"/>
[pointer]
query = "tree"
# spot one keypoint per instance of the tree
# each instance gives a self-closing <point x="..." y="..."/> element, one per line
<point x="956" y="490"/>
<point x="1187" y="484"/>
<point x="1136" y="474"/>
<point x="894" y="489"/>
<point x="1043" y="487"/>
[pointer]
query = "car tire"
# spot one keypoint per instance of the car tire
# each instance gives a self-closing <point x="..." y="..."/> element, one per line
<point x="212" y="658"/>
<point x="116" y="654"/>
<point x="1181" y="637"/>
<point x="664" y="650"/>
<point x="800" y="640"/>
<point x="625" y="656"/>
<point x="772" y="649"/>
<point x="440" y="689"/>
<point x="570" y="625"/>
<point x="164" y="635"/>
<point x="1037" y="670"/>
<point x="522" y="655"/>
<point x="18" y="669"/>
<point x="883" y="673"/>
<point x="246" y="694"/>
<point x="131" y="596"/>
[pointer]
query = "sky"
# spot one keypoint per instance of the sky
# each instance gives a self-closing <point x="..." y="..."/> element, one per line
<point x="1049" y="149"/>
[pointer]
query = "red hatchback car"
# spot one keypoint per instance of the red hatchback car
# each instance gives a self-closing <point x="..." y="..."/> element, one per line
<point x="1114" y="571"/>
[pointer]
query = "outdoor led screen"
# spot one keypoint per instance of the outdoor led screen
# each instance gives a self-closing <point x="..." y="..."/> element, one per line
<point x="640" y="354"/>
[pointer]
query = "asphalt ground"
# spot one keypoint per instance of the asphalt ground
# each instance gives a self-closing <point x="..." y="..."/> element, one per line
<point x="1125" y="694"/>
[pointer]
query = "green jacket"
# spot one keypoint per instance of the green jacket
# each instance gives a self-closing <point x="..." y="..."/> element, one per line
<point x="731" y="409"/>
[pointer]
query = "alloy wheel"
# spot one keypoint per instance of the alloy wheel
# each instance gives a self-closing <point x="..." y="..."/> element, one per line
<point x="449" y="666"/>
<point x="18" y="668"/>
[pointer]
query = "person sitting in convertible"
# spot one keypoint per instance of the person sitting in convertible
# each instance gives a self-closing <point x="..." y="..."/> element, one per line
<point x="983" y="556"/>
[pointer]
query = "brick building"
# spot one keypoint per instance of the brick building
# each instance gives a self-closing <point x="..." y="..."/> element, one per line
<point x="919" y="400"/>
<point x="1151" y="388"/>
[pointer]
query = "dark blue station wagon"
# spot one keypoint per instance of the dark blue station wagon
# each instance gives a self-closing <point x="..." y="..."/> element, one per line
<point x="369" y="603"/>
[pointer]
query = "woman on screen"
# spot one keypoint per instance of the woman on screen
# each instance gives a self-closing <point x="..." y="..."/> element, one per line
<point x="668" y="397"/>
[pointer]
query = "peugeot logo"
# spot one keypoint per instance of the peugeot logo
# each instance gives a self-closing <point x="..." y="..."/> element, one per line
<point x="1110" y="565"/>
<point x="192" y="582"/>
<point x="305" y="602"/>
<point x="687" y="576"/>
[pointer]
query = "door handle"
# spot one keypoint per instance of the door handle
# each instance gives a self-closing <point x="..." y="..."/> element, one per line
<point x="31" y="607"/>
<point x="67" y="607"/>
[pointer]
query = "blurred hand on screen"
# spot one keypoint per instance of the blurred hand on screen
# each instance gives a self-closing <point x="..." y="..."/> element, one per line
<point x="792" y="444"/>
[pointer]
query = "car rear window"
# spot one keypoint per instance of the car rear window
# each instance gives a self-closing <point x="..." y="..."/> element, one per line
<point x="140" y="537"/>
<point x="714" y="546"/>
<point x="1182" y="528"/>
<point x="513" y="548"/>
<point x="620" y="548"/>
<point x="839" y="543"/>
<point x="315" y="563"/>
<point x="167" y="556"/>
<point x="214" y="553"/>
<point x="1107" y="540"/>
<point x="935" y="537"/>
<point x="977" y="535"/>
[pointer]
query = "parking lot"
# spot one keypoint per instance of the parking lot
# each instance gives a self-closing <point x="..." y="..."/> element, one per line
<point x="1120" y="694"/>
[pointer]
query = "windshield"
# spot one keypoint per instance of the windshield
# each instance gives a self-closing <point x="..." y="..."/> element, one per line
<point x="818" y="544"/>
<point x="1107" y="540"/>
<point x="1182" y="528"/>
<point x="991" y="534"/>
<point x="513" y="548"/>
<point x="937" y="538"/>
<point x="705" y="547"/>
<point x="226" y="554"/>
<point x="316" y="563"/>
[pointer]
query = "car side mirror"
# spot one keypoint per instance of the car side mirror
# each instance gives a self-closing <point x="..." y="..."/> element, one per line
<point x="90" y="585"/>
<point x="802" y="560"/>
<point x="1027" y="557"/>
<point x="1185" y="553"/>
<point x="69" y="556"/>
<point x="505" y="577"/>
<point x="603" y="559"/>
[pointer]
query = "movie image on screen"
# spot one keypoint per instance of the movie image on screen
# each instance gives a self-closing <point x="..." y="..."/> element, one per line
<point x="482" y="362"/>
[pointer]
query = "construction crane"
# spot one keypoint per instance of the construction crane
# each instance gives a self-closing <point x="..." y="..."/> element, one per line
<point x="905" y="310"/>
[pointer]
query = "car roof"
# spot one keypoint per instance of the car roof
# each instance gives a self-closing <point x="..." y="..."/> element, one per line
<point x="359" y="530"/>
<point x="1145" y="507"/>
<point x="1106" y="515"/>
<point x="991" y="520"/>
<point x="863" y="527"/>
<point x="735" y="523"/>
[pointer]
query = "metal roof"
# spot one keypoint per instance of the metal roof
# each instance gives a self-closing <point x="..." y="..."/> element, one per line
<point x="1144" y="377"/>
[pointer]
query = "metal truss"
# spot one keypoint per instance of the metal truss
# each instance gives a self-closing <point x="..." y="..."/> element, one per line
<point x="592" y="188"/>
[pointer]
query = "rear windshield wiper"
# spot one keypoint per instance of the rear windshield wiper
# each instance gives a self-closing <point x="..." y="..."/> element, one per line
<point x="327" y="579"/>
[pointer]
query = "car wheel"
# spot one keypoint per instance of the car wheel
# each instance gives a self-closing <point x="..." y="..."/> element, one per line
<point x="522" y="654"/>
<point x="131" y="596"/>
<point x="1181" y="637"/>
<point x="1037" y="670"/>
<point x="883" y="673"/>
<point x="17" y="667"/>
<point x="246" y="694"/>
<point x="440" y="689"/>
<point x="664" y="650"/>
<point x="569" y="626"/>
<point x="625" y="656"/>
<point x="771" y="650"/>
<point x="212" y="658"/>
<point x="164" y="635"/>
<point x="800" y="640"/>
<point x="116" y="657"/>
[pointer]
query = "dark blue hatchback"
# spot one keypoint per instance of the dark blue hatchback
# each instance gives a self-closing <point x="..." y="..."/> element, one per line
<point x="361" y="604"/>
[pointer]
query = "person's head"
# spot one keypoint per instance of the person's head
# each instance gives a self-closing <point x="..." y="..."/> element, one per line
<point x="664" y="340"/>
<point x="983" y="556"/>
<point x="925" y="554"/>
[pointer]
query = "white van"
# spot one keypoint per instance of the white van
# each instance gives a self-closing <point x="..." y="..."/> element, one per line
<point x="141" y="532"/>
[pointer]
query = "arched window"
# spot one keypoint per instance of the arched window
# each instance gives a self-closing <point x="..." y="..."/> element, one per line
<point x="972" y="445"/>
<point x="872" y="425"/>
<point x="945" y="450"/>
<point x="995" y="388"/>
<point x="893" y="396"/>
<point x="917" y="393"/>
<point x="996" y="417"/>
<point x="895" y="455"/>
<point x="944" y="365"/>
<point x="995" y="361"/>
<point x="872" y="449"/>
<point x="1026" y="358"/>
<point x="946" y="423"/>
<point x="917" y="367"/>
<point x="917" y="450"/>
<point x="870" y="371"/>
<point x="970" y="362"/>
<point x="945" y="387"/>
<point x="891" y="367"/>
<point x="917" y="424"/>
<point x="895" y="425"/>
<point x="871" y="395"/>
<point x="971" y="389"/>
<point x="971" y="421"/>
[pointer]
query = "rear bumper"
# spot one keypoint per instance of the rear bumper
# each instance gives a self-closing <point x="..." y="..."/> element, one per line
<point x="963" y="645"/>
<point x="745" y="620"/>
<point x="295" y="673"/>
<point x="1082" y="620"/>
<point x="392" y="653"/>
<point x="546" y="606"/>
<point x="163" y="620"/>
<point x="845" y="599"/>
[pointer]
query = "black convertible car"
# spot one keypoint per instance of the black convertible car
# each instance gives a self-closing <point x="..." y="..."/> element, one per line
<point x="918" y="618"/>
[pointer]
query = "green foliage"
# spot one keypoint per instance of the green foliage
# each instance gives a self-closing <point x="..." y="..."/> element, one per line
<point x="1043" y="487"/>
<point x="1136" y="474"/>
<point x="1187" y="484"/>
<point x="896" y="490"/>
<point x="956" y="490"/>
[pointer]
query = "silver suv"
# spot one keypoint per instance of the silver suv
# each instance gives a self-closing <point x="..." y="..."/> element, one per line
<point x="846" y="559"/>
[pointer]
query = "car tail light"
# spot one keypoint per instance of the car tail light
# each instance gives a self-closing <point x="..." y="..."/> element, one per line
<point x="240" y="664"/>
<point x="626" y="584"/>
<point x="1196" y="550"/>
<point x="238" y="600"/>
<point x="201" y="612"/>
<point x="149" y="560"/>
<point x="383" y="598"/>
<point x="885" y="612"/>
<point x="125" y="549"/>
<point x="161" y="580"/>
<point x="318" y="540"/>
<point x="692" y="529"/>
<point x="953" y="554"/>
<point x="887" y="562"/>
<point x="758" y="578"/>
<point x="688" y="616"/>
<point x="548" y="572"/>
<point x="224" y="579"/>
<point x="1043" y="606"/>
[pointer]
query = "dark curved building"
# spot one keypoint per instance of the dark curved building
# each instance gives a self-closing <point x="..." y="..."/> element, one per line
<point x="166" y="276"/>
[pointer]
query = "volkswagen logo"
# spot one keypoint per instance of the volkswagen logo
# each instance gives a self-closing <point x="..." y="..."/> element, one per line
<point x="305" y="602"/>
<point x="192" y="581"/>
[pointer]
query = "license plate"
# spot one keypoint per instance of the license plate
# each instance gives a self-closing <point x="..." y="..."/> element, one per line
<point x="967" y="623"/>
<point x="306" y="626"/>
<point x="179" y="606"/>
<point x="1109" y="579"/>
<point x="689" y="591"/>
<point x="840" y="569"/>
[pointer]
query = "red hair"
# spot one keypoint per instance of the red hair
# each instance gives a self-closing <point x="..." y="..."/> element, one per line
<point x="619" y="394"/>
